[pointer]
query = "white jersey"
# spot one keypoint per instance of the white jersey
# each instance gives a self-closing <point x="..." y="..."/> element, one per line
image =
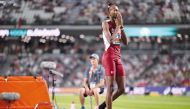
<point x="106" y="42"/>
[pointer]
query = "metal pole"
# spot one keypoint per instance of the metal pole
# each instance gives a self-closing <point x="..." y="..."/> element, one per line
<point x="90" y="102"/>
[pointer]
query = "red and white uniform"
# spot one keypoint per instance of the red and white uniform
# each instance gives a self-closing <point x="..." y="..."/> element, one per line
<point x="112" y="57"/>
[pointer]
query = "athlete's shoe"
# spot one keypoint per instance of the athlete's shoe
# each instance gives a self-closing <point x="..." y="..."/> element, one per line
<point x="102" y="106"/>
<point x="82" y="107"/>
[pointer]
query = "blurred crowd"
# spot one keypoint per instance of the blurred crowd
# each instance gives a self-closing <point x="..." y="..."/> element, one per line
<point x="92" y="12"/>
<point x="167" y="70"/>
<point x="143" y="68"/>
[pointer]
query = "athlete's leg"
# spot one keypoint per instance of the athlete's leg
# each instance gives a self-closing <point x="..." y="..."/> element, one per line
<point x="109" y="85"/>
<point x="109" y="66"/>
<point x="120" y="80"/>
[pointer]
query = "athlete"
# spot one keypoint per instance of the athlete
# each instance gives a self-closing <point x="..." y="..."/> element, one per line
<point x="93" y="82"/>
<point x="113" y="36"/>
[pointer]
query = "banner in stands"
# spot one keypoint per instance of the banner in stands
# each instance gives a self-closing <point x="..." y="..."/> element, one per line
<point x="162" y="90"/>
<point x="29" y="32"/>
<point x="150" y="31"/>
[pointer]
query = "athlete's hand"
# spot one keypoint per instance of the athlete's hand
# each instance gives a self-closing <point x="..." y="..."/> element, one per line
<point x="119" y="20"/>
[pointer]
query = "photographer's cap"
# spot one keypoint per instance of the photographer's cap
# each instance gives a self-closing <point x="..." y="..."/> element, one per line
<point x="94" y="55"/>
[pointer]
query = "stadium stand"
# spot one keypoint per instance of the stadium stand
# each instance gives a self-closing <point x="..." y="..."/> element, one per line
<point x="92" y="12"/>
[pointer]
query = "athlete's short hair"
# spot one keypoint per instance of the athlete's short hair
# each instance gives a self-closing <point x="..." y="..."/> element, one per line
<point x="108" y="9"/>
<point x="109" y="5"/>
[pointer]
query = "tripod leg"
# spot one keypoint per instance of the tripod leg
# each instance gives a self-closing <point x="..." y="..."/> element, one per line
<point x="9" y="104"/>
<point x="53" y="92"/>
<point x="90" y="102"/>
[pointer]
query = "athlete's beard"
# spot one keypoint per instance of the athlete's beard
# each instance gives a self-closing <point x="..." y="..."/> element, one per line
<point x="113" y="18"/>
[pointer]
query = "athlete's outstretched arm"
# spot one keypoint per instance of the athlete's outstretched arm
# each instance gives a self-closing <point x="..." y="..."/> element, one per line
<point x="107" y="33"/>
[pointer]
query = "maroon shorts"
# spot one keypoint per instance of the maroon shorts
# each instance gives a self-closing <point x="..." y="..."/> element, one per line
<point x="111" y="61"/>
